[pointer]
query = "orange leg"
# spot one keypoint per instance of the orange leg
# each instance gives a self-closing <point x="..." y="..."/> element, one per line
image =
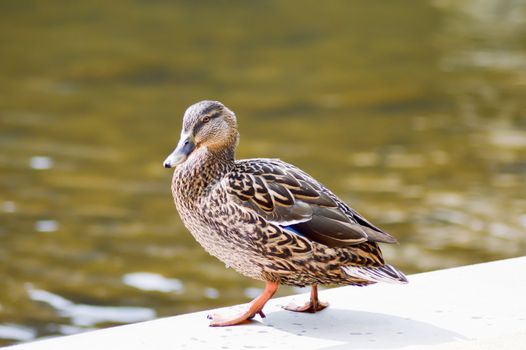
<point x="312" y="306"/>
<point x="255" y="307"/>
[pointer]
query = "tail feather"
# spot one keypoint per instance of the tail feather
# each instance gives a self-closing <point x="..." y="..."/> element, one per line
<point x="385" y="273"/>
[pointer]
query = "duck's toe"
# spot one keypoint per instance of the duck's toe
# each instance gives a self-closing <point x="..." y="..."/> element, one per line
<point x="313" y="305"/>
<point x="222" y="320"/>
<point x="309" y="306"/>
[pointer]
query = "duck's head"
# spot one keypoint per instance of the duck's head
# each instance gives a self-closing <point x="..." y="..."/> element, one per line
<point x="205" y="124"/>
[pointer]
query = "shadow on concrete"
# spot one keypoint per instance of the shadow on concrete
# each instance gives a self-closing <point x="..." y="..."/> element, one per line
<point x="359" y="329"/>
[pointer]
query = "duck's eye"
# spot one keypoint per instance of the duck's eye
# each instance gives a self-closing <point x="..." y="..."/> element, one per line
<point x="206" y="119"/>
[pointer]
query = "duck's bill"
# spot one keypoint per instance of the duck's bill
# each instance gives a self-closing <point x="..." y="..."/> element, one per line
<point x="183" y="150"/>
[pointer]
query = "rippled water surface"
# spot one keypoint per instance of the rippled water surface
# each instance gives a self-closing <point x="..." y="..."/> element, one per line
<point x="412" y="111"/>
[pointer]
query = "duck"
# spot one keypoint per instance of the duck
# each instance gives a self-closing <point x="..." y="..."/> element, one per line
<point x="268" y="219"/>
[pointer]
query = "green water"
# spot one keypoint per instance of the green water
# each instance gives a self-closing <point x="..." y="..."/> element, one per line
<point x="412" y="111"/>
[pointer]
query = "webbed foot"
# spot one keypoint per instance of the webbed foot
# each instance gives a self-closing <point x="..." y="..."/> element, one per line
<point x="255" y="307"/>
<point x="312" y="306"/>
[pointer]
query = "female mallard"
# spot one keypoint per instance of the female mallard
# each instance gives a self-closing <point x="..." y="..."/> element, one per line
<point x="268" y="219"/>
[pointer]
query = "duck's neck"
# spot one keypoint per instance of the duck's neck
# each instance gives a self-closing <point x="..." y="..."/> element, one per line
<point x="201" y="171"/>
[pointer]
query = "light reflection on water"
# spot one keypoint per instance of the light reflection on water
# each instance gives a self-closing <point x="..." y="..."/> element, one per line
<point x="17" y="332"/>
<point x="90" y="315"/>
<point x="153" y="282"/>
<point x="416" y="119"/>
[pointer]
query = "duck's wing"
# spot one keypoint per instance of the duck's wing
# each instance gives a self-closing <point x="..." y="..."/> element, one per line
<point x="290" y="198"/>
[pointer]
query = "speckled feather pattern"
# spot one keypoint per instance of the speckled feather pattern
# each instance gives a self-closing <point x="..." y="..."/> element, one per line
<point x="268" y="219"/>
<point x="249" y="243"/>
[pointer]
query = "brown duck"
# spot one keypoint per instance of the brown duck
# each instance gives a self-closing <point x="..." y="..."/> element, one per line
<point x="268" y="219"/>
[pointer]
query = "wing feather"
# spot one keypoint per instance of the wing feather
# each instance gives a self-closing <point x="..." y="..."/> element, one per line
<point x="287" y="196"/>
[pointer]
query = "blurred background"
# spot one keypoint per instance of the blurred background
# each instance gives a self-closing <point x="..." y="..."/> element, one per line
<point x="414" y="112"/>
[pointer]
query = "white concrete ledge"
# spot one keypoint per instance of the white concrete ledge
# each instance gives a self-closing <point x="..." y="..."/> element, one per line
<point x="473" y="307"/>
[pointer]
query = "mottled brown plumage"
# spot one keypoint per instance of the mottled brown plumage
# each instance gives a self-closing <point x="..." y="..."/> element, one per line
<point x="266" y="218"/>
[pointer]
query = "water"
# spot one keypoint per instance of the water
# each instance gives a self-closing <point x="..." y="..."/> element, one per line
<point x="412" y="111"/>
